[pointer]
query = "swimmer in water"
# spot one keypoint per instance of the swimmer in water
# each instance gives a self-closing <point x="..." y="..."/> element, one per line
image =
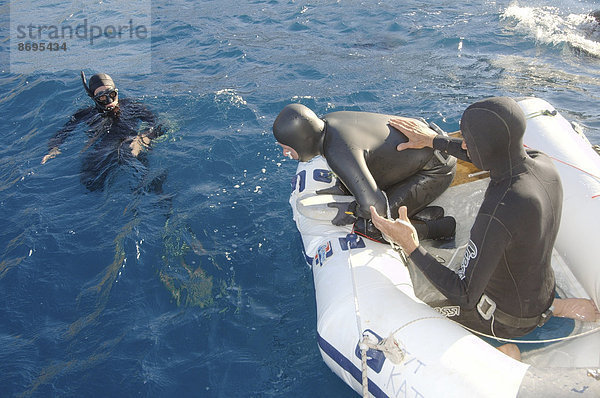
<point x="360" y="149"/>
<point x="120" y="131"/>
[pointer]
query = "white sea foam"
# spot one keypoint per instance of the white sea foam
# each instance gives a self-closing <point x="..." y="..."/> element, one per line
<point x="231" y="96"/>
<point x="550" y="25"/>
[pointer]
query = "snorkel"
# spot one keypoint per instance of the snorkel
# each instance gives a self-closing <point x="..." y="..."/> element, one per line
<point x="85" y="85"/>
<point x="103" y="98"/>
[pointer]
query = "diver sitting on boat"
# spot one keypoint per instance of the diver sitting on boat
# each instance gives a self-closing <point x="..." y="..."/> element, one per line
<point x="360" y="149"/>
<point x="505" y="285"/>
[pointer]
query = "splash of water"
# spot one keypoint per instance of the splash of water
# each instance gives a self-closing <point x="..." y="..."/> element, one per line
<point x="549" y="25"/>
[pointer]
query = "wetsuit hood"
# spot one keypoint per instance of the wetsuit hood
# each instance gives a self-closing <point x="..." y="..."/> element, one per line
<point x="99" y="80"/>
<point x="493" y="130"/>
<point x="298" y="127"/>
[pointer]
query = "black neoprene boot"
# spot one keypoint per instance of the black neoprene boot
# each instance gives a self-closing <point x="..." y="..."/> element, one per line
<point x="443" y="228"/>
<point x="365" y="228"/>
<point x="429" y="213"/>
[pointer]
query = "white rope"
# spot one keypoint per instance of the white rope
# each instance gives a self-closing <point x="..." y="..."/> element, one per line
<point x="571" y="337"/>
<point x="415" y="321"/>
<point x="384" y="344"/>
<point x="363" y="343"/>
<point x="493" y="336"/>
<point x="364" y="367"/>
<point x="354" y="290"/>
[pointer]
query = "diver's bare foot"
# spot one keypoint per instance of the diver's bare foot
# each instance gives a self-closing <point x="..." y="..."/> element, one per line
<point x="576" y="308"/>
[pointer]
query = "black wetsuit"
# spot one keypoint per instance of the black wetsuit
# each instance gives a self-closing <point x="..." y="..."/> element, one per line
<point x="110" y="134"/>
<point x="360" y="148"/>
<point x="509" y="252"/>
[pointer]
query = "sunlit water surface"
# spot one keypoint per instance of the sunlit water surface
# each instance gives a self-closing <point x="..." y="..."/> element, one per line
<point x="202" y="290"/>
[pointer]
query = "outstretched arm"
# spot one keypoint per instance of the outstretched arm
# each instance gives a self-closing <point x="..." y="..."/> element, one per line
<point x="61" y="136"/>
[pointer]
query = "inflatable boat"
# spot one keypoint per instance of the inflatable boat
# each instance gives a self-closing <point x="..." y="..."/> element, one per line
<point x="376" y="333"/>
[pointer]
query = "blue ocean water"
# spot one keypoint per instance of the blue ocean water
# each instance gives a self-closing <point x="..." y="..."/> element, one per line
<point x="202" y="290"/>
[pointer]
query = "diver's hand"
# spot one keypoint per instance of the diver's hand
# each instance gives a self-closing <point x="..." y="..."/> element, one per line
<point x="51" y="155"/>
<point x="418" y="133"/>
<point x="400" y="231"/>
<point x="138" y="144"/>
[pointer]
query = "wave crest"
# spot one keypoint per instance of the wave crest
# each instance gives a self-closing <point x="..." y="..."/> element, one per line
<point x="548" y="25"/>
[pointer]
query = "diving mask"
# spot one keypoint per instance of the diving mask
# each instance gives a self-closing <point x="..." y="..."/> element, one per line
<point x="107" y="96"/>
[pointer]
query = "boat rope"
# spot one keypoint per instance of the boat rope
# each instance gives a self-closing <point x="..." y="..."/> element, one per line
<point x="415" y="321"/>
<point x="576" y="168"/>
<point x="571" y="337"/>
<point x="364" y="367"/>
<point x="384" y="342"/>
<point x="363" y="344"/>
<point x="493" y="336"/>
<point x="389" y="344"/>
<point x="391" y="348"/>
<point x="570" y="165"/>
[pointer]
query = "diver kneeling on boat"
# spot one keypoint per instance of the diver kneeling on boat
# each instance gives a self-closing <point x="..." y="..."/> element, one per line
<point x="505" y="285"/>
<point x="360" y="149"/>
